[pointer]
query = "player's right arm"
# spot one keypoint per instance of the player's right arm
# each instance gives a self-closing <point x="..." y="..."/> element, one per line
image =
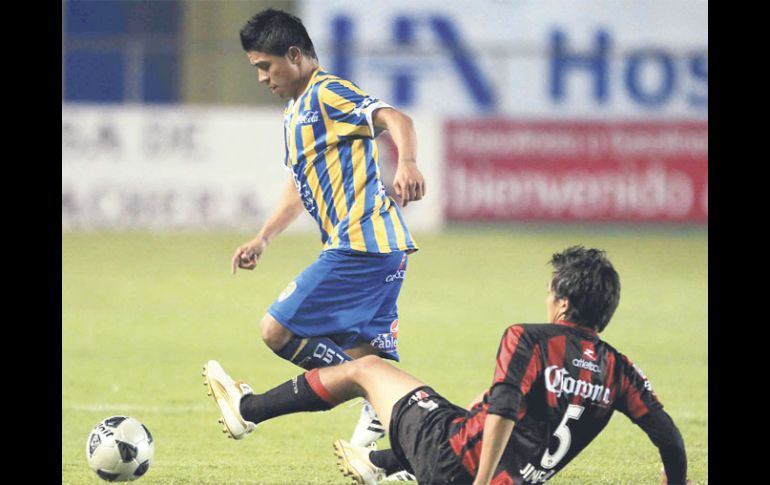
<point x="516" y="367"/>
<point x="289" y="207"/>
<point x="497" y="431"/>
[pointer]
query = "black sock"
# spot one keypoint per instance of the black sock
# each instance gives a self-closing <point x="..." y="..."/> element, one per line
<point x="292" y="396"/>
<point x="386" y="460"/>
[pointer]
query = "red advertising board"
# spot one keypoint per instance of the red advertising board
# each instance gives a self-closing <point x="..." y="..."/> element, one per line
<point x="505" y="170"/>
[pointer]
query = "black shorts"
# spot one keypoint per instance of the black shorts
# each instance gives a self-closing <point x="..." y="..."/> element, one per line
<point x="420" y="428"/>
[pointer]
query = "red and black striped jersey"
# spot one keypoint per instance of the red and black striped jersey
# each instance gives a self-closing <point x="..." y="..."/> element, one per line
<point x="560" y="383"/>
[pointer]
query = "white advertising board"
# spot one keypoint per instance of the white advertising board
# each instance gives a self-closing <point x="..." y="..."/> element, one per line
<point x="587" y="59"/>
<point x="140" y="167"/>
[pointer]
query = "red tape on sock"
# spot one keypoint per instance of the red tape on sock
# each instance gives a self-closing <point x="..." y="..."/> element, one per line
<point x="315" y="384"/>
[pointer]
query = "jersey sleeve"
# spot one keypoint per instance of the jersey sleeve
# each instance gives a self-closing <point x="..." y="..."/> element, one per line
<point x="666" y="437"/>
<point x="518" y="365"/>
<point x="636" y="396"/>
<point x="349" y="109"/>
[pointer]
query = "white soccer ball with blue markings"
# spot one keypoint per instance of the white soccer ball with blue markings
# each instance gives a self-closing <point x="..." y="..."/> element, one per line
<point x="120" y="449"/>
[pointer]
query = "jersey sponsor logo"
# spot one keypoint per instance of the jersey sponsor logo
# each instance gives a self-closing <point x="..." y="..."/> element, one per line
<point x="400" y="273"/>
<point x="532" y="474"/>
<point x="589" y="354"/>
<point x="287" y="291"/>
<point x="307" y="118"/>
<point x="385" y="341"/>
<point x="584" y="364"/>
<point x="558" y="381"/>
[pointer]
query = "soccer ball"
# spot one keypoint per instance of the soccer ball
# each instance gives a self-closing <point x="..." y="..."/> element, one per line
<point x="120" y="449"/>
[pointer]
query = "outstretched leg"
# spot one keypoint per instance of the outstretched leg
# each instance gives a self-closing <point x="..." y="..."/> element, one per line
<point x="321" y="389"/>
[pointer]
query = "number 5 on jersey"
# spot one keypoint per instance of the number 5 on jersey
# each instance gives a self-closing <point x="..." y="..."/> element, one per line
<point x="564" y="436"/>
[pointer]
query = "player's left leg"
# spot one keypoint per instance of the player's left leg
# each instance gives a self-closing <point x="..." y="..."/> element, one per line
<point x="368" y="466"/>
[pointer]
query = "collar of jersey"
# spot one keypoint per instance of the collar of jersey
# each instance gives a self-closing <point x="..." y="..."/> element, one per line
<point x="310" y="82"/>
<point x="579" y="328"/>
<point x="293" y="102"/>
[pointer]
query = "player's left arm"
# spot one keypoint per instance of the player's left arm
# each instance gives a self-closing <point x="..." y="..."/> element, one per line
<point x="664" y="434"/>
<point x="408" y="181"/>
<point x="497" y="431"/>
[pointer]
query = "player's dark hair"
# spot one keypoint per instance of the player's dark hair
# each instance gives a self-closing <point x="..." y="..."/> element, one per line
<point x="586" y="278"/>
<point x="273" y="31"/>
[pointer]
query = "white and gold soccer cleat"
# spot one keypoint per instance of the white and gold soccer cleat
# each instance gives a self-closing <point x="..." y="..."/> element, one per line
<point x="227" y="393"/>
<point x="354" y="463"/>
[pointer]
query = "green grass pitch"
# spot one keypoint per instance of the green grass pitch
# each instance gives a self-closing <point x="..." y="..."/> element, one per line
<point x="142" y="312"/>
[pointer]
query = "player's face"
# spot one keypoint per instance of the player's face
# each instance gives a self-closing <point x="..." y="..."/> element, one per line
<point x="280" y="74"/>
<point x="556" y="308"/>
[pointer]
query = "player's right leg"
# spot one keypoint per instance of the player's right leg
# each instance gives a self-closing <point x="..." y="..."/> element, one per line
<point x="228" y="394"/>
<point x="315" y="390"/>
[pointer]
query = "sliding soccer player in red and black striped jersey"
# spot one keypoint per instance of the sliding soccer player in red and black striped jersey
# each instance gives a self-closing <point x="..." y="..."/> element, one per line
<point x="554" y="389"/>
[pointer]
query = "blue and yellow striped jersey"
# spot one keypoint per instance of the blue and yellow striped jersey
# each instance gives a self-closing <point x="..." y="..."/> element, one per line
<point x="331" y="152"/>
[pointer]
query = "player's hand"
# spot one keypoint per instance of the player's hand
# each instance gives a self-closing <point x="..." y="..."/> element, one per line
<point x="246" y="255"/>
<point x="664" y="478"/>
<point x="408" y="183"/>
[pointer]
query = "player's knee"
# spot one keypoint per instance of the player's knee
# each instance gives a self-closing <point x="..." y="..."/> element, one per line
<point x="273" y="333"/>
<point x="364" y="366"/>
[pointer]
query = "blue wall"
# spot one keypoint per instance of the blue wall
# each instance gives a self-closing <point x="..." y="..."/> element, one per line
<point x="122" y="51"/>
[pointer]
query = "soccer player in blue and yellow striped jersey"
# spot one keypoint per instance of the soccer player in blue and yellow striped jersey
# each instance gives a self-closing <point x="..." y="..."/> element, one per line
<point x="343" y="306"/>
<point x="331" y="152"/>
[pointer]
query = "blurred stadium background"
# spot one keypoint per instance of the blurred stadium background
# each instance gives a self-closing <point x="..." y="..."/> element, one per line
<point x="541" y="124"/>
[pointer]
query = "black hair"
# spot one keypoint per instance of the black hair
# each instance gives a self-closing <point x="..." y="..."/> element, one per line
<point x="274" y="31"/>
<point x="586" y="278"/>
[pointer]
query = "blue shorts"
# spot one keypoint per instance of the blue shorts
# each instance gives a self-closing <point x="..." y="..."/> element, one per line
<point x="348" y="296"/>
